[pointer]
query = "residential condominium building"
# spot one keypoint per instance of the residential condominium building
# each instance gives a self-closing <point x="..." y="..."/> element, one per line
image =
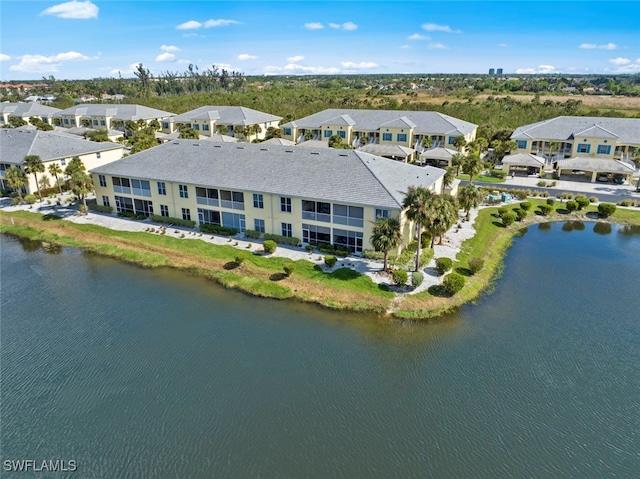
<point x="108" y="116"/>
<point x="236" y="121"/>
<point x="52" y="147"/>
<point x="325" y="196"/>
<point x="383" y="127"/>
<point x="26" y="111"/>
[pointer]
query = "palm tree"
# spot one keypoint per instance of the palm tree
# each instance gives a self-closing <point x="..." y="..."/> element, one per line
<point x="457" y="160"/>
<point x="16" y="179"/>
<point x="459" y="143"/>
<point x="81" y="184"/>
<point x="75" y="165"/>
<point x="469" y="196"/>
<point x="34" y="166"/>
<point x="417" y="202"/>
<point x="443" y="215"/>
<point x="472" y="165"/>
<point x="385" y="236"/>
<point x="427" y="142"/>
<point x="636" y="161"/>
<point x="448" y="178"/>
<point x="553" y="145"/>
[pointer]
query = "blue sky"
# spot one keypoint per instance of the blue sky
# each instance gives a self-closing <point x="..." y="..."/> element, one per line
<point x="90" y="39"/>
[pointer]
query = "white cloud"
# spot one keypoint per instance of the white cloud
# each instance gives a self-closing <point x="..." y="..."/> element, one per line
<point x="74" y="10"/>
<point x="314" y="26"/>
<point x="190" y="25"/>
<point x="246" y="56"/>
<point x="593" y="46"/>
<point x="4" y="58"/>
<point x="349" y="26"/>
<point x="405" y="47"/>
<point x="212" y="23"/>
<point x="620" y="61"/>
<point x="43" y="64"/>
<point x="166" y="57"/>
<point x="503" y="45"/>
<point x="437" y="46"/>
<point x="359" y="66"/>
<point x="294" y="67"/>
<point x="295" y="58"/>
<point x="433" y="27"/>
<point x="169" y="48"/>
<point x="542" y="69"/>
<point x="417" y="36"/>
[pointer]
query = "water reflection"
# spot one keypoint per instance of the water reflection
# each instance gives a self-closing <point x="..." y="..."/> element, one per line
<point x="602" y="228"/>
<point x="546" y="226"/>
<point x="629" y="230"/>
<point x="31" y="246"/>
<point x="573" y="226"/>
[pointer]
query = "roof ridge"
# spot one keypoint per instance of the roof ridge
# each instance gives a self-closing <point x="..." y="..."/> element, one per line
<point x="375" y="176"/>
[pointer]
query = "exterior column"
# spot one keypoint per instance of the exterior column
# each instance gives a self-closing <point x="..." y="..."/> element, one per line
<point x="593" y="177"/>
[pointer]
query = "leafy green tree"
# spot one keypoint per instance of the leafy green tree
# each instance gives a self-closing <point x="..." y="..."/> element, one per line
<point x="97" y="135"/>
<point x="472" y="165"/>
<point x="385" y="236"/>
<point x="16" y="121"/>
<point x="427" y="142"/>
<point x="469" y="197"/>
<point x="189" y="134"/>
<point x="55" y="171"/>
<point x="81" y="184"/>
<point x="417" y="203"/>
<point x="34" y="166"/>
<point x="16" y="179"/>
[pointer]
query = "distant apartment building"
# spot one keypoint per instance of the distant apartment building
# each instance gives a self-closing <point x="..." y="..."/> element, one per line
<point x="108" y="116"/>
<point x="26" y="111"/>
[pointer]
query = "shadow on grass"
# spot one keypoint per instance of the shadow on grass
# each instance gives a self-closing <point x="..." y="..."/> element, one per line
<point x="383" y="287"/>
<point x="51" y="217"/>
<point x="277" y="276"/>
<point x="438" y="290"/>
<point x="231" y="265"/>
<point x="562" y="211"/>
<point x="593" y="215"/>
<point x="498" y="224"/>
<point x="345" y="274"/>
<point x="464" y="271"/>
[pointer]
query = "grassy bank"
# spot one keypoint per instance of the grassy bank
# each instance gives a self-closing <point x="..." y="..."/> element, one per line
<point x="342" y="289"/>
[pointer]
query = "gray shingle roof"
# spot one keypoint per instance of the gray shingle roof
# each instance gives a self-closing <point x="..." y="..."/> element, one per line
<point x="227" y="115"/>
<point x="387" y="150"/>
<point x="17" y="143"/>
<point x="323" y="174"/>
<point x="626" y="130"/>
<point x="122" y="112"/>
<point x="603" y="165"/>
<point x="26" y="110"/>
<point x="371" y="120"/>
<point x="523" y="159"/>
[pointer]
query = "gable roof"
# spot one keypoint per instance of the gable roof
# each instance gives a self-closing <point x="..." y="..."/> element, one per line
<point x="25" y="110"/>
<point x="122" y="112"/>
<point x="16" y="143"/>
<point x="347" y="176"/>
<point x="426" y="122"/>
<point x="227" y="115"/>
<point x="626" y="130"/>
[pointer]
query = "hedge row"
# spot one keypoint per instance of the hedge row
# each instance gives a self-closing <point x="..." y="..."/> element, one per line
<point x="282" y="239"/>
<point x="217" y="229"/>
<point x="173" y="221"/>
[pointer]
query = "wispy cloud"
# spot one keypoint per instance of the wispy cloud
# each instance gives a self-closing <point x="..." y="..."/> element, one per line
<point x="294" y="67"/>
<point x="169" y="48"/>
<point x="620" y="61"/>
<point x="166" y="57"/>
<point x="246" y="56"/>
<point x="212" y="23"/>
<point x="434" y="27"/>
<point x="295" y="58"/>
<point x="593" y="46"/>
<point x="541" y="69"/>
<point x="42" y="64"/>
<point x="74" y="10"/>
<point x="313" y="26"/>
<point x="417" y="36"/>
<point x="437" y="46"/>
<point x="503" y="45"/>
<point x="359" y="66"/>
<point x="4" y="58"/>
<point x="349" y="26"/>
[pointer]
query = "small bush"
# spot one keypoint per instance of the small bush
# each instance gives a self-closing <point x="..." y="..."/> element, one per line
<point x="269" y="246"/>
<point x="475" y="265"/>
<point x="453" y="283"/>
<point x="282" y="239"/>
<point x="400" y="277"/>
<point x="217" y="229"/>
<point x="94" y="206"/>
<point x="542" y="183"/>
<point x="627" y="203"/>
<point x="572" y="205"/>
<point x="416" y="279"/>
<point x="526" y="205"/>
<point x="545" y="209"/>
<point x="289" y="268"/>
<point x="252" y="234"/>
<point x="425" y="239"/>
<point x="582" y="201"/>
<point x="172" y="221"/>
<point x="133" y="216"/>
<point x="330" y="261"/>
<point x="606" y="209"/>
<point x="508" y="218"/>
<point x="502" y="210"/>
<point x="343" y="253"/>
<point x="30" y="199"/>
<point x="497" y="173"/>
<point x="372" y="254"/>
<point x="593" y="199"/>
<point x="520" y="214"/>
<point x="309" y="248"/>
<point x="551" y="201"/>
<point x="443" y="265"/>
<point x="239" y="259"/>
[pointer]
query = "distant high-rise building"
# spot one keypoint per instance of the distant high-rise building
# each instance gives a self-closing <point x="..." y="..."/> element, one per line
<point x="492" y="71"/>
<point x="499" y="72"/>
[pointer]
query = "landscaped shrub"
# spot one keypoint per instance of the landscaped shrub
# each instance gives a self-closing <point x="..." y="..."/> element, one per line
<point x="330" y="260"/>
<point x="15" y="200"/>
<point x="425" y="239"/>
<point x="545" y="209"/>
<point x="269" y="246"/>
<point x="475" y="264"/>
<point x="416" y="279"/>
<point x="289" y="268"/>
<point x="508" y="218"/>
<point x="497" y="173"/>
<point x="309" y="248"/>
<point x="400" y="277"/>
<point x="526" y="205"/>
<point x="326" y="249"/>
<point x="239" y="259"/>
<point x="252" y="234"/>
<point x="502" y="210"/>
<point x="520" y="214"/>
<point x="443" y="265"/>
<point x="542" y="183"/>
<point x="133" y="216"/>
<point x="30" y="199"/>
<point x="172" y="221"/>
<point x="372" y="254"/>
<point x="217" y="229"/>
<point x="572" y="205"/>
<point x="593" y="199"/>
<point x="343" y="253"/>
<point x="291" y="240"/>
<point x="551" y="201"/>
<point x="606" y="209"/>
<point x="582" y="201"/>
<point x="94" y="206"/>
<point x="452" y="283"/>
<point x="627" y="203"/>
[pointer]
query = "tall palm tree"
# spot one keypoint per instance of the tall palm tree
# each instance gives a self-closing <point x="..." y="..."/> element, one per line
<point x="448" y="178"/>
<point x="55" y="170"/>
<point x="553" y="145"/>
<point x="472" y="165"/>
<point x="459" y="143"/>
<point x="34" y="166"/>
<point x="417" y="203"/>
<point x="81" y="184"/>
<point x="636" y="161"/>
<point x="16" y="179"/>
<point x="385" y="236"/>
<point x="427" y="142"/>
<point x="457" y="160"/>
<point x="469" y="196"/>
<point x="443" y="215"/>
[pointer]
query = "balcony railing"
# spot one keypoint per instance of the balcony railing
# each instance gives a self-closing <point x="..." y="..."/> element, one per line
<point x="348" y="220"/>
<point x="311" y="215"/>
<point x="201" y="200"/>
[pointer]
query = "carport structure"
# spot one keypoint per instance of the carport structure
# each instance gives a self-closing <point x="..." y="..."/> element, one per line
<point x="523" y="162"/>
<point x="591" y="168"/>
<point x="393" y="152"/>
<point x="437" y="157"/>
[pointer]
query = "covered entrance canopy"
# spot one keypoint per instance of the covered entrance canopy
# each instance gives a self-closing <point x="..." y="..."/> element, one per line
<point x="437" y="156"/>
<point x="395" y="152"/>
<point x="526" y="161"/>
<point x="593" y="167"/>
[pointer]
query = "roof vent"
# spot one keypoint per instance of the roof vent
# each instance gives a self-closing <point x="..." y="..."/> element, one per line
<point x="196" y="144"/>
<point x="288" y="151"/>
<point x="217" y="146"/>
<point x="344" y="154"/>
<point x="315" y="152"/>
<point x="264" y="149"/>
<point x="240" y="147"/>
<point x="176" y="142"/>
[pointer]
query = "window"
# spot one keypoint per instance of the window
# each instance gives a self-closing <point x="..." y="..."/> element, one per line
<point x="316" y="211"/>
<point x="124" y="204"/>
<point x="258" y="201"/>
<point x="164" y="210"/>
<point x="233" y="220"/>
<point x="184" y="191"/>
<point x="232" y="199"/>
<point x="143" y="207"/>
<point x="105" y="200"/>
<point x="141" y="187"/>
<point x="382" y="213"/>
<point x="121" y="185"/>
<point x="95" y="122"/>
<point x="196" y="126"/>
<point x="72" y="121"/>
<point x="451" y="140"/>
<point x="205" y="127"/>
<point x="186" y="214"/>
<point x="387" y="137"/>
<point x="348" y="215"/>
<point x="162" y="188"/>
<point x="66" y="121"/>
<point x="102" y="180"/>
<point x="286" y="131"/>
<point x="63" y="162"/>
<point x="402" y="137"/>
<point x="165" y="125"/>
<point x="316" y="234"/>
<point x="208" y="217"/>
<point x="98" y="155"/>
<point x="350" y="240"/>
<point x="342" y="134"/>
<point x="258" y="225"/>
<point x="328" y="133"/>
<point x="286" y="229"/>
<point x="207" y="196"/>
<point x="522" y="144"/>
<point x="584" y="148"/>
<point x="285" y="204"/>
<point x="103" y="123"/>
<point x="604" y="149"/>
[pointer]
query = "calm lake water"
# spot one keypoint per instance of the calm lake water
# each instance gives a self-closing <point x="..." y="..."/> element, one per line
<point x="138" y="373"/>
